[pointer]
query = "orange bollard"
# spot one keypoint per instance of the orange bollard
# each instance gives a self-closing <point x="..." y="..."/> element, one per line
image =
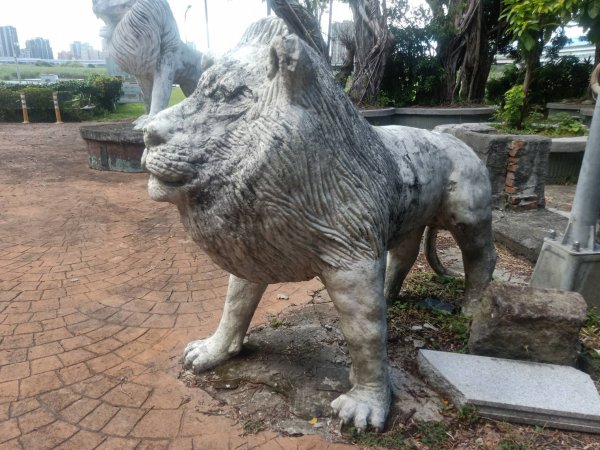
<point x="24" y="106"/>
<point x="56" y="108"/>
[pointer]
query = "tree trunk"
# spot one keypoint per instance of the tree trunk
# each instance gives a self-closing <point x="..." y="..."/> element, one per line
<point x="301" y="22"/>
<point x="532" y="62"/>
<point x="597" y="54"/>
<point x="372" y="47"/>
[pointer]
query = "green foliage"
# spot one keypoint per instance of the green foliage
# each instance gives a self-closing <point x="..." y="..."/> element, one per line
<point x="529" y="19"/>
<point x="391" y="440"/>
<point x="563" y="124"/>
<point x="509" y="444"/>
<point x="413" y="74"/>
<point x="433" y="434"/>
<point x="98" y="90"/>
<point x="10" y="106"/>
<point x="592" y="318"/>
<point x="563" y="78"/>
<point x="468" y="415"/>
<point x="9" y="71"/>
<point x="510" y="113"/>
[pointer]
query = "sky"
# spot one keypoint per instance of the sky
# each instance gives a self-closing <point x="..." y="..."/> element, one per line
<point x="66" y="21"/>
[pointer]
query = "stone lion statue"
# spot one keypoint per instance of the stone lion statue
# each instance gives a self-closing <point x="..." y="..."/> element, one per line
<point x="278" y="178"/>
<point x="143" y="40"/>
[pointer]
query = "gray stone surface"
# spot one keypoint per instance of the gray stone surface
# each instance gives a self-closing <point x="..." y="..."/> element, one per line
<point x="143" y="39"/>
<point x="278" y="178"/>
<point x="530" y="324"/>
<point x="523" y="232"/>
<point x="516" y="391"/>
<point x="574" y="144"/>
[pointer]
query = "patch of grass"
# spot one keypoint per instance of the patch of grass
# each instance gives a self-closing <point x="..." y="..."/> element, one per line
<point x="9" y="71"/>
<point x="177" y="95"/>
<point x="439" y="330"/>
<point x="509" y="444"/>
<point x="391" y="440"/>
<point x="131" y="111"/>
<point x="468" y="415"/>
<point x="419" y="285"/>
<point x="253" y="426"/>
<point x="276" y="322"/>
<point x="433" y="434"/>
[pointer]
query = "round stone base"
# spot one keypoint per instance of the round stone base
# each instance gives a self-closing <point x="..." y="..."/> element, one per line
<point x="114" y="146"/>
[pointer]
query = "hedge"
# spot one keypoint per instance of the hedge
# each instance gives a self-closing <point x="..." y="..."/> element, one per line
<point x="78" y="100"/>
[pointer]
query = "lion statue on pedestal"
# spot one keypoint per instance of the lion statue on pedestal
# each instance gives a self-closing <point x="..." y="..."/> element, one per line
<point x="143" y="39"/>
<point x="278" y="178"/>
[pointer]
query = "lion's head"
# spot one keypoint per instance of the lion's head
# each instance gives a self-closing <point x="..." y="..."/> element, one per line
<point x="112" y="11"/>
<point x="264" y="143"/>
<point x="240" y="108"/>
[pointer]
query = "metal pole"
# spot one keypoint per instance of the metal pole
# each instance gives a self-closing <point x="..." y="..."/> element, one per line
<point x="329" y="29"/>
<point x="581" y="231"/>
<point x="16" y="50"/>
<point x="185" y="22"/>
<point x="206" y="23"/>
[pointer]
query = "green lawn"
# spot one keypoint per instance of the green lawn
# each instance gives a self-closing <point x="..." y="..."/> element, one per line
<point x="9" y="71"/>
<point x="127" y="111"/>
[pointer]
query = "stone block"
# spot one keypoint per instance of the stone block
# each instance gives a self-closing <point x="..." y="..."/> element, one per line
<point x="495" y="149"/>
<point x="516" y="391"/>
<point x="527" y="323"/>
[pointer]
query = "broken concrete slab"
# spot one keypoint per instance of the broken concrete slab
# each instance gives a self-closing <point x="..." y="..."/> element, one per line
<point x="516" y="391"/>
<point x="523" y="233"/>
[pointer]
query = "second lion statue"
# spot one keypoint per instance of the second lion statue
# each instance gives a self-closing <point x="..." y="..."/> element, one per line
<point x="278" y="178"/>
<point x="143" y="39"/>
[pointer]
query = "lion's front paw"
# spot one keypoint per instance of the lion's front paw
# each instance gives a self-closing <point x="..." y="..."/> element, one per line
<point x="365" y="406"/>
<point x="203" y="354"/>
<point x="141" y="122"/>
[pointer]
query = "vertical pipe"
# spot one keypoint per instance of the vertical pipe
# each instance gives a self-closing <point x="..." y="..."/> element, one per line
<point x="56" y="107"/>
<point x="206" y="23"/>
<point x="24" y="107"/>
<point x="329" y="30"/>
<point x="586" y="205"/>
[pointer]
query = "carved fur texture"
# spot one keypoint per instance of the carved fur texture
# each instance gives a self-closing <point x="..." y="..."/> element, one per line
<point x="143" y="40"/>
<point x="278" y="178"/>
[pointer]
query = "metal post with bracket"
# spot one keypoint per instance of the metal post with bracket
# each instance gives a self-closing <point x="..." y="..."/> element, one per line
<point x="571" y="262"/>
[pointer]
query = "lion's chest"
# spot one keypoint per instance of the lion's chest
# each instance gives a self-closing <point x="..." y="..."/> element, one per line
<point x="134" y="52"/>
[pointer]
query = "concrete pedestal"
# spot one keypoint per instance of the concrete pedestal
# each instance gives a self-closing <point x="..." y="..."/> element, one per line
<point x="560" y="267"/>
<point x="114" y="146"/>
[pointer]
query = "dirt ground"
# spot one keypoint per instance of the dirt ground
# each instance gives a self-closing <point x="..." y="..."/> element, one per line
<point x="100" y="290"/>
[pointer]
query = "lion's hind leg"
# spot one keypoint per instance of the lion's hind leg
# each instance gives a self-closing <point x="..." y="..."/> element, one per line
<point x="357" y="294"/>
<point x="400" y="259"/>
<point x="468" y="217"/>
<point x="241" y="302"/>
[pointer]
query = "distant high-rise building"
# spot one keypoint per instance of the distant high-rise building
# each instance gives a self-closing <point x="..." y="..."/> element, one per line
<point x="84" y="51"/>
<point x="76" y="50"/>
<point x="39" y="48"/>
<point x="65" y="55"/>
<point x="9" y="42"/>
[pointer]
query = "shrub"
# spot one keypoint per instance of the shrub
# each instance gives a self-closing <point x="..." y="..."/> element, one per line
<point x="98" y="90"/>
<point x="556" y="80"/>
<point x="510" y="113"/>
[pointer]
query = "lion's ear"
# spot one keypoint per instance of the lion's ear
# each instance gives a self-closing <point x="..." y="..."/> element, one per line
<point x="290" y="60"/>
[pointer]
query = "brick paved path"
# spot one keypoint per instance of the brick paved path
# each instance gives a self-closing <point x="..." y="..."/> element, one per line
<point x="100" y="289"/>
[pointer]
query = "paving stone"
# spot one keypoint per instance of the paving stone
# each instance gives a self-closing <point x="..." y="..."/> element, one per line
<point x="526" y="392"/>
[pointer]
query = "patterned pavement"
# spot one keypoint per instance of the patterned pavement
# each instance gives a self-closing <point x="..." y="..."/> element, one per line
<point x="100" y="290"/>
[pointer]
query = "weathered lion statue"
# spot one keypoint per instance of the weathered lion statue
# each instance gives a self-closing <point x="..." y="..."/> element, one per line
<point x="143" y="40"/>
<point x="278" y="178"/>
